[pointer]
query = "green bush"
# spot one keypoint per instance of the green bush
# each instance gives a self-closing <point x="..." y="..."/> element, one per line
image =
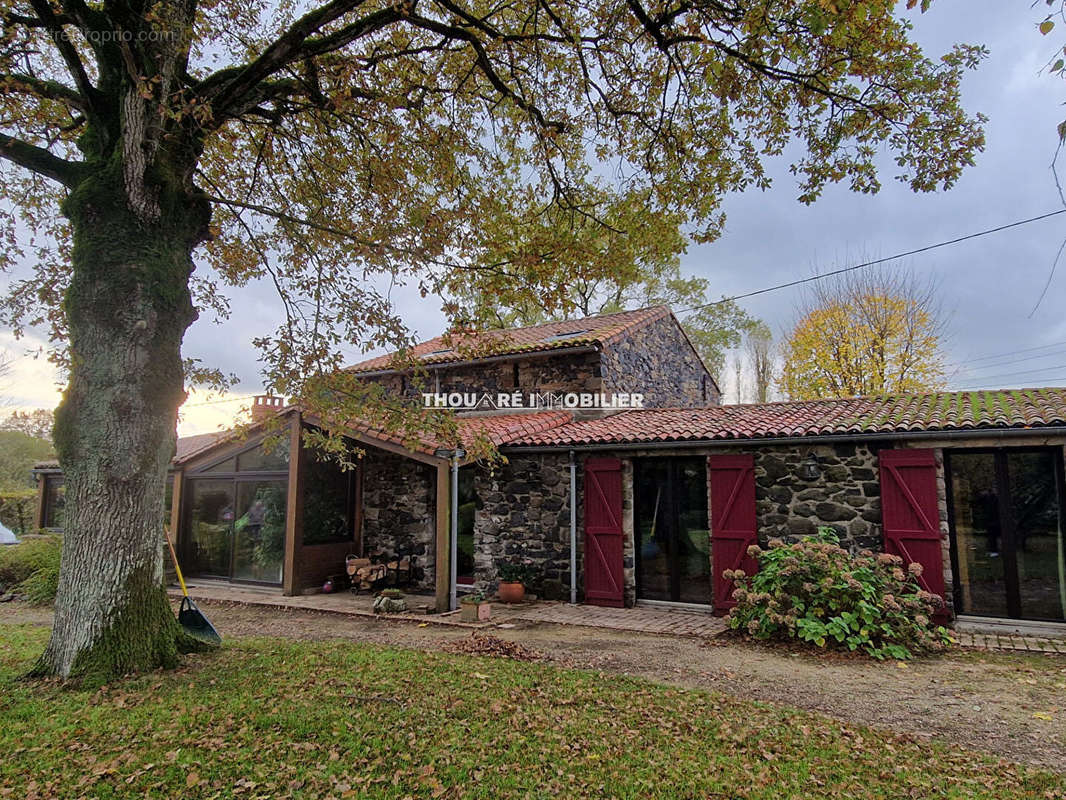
<point x="31" y="568"/>
<point x="17" y="509"/>
<point x="816" y="591"/>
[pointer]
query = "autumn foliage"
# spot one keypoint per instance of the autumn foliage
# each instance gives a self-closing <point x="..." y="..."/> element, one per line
<point x="868" y="335"/>
<point x="817" y="592"/>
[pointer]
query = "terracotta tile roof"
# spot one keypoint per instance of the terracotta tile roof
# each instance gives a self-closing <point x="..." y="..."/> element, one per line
<point x="185" y="447"/>
<point x="939" y="411"/>
<point x="499" y="428"/>
<point x="188" y="446"/>
<point x="600" y="329"/>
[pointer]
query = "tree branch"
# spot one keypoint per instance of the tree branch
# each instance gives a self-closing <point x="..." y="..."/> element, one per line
<point x="44" y="11"/>
<point x="38" y="160"/>
<point x="51" y="90"/>
<point x="228" y="88"/>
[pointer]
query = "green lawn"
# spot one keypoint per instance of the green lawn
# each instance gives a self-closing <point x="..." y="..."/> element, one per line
<point x="270" y="718"/>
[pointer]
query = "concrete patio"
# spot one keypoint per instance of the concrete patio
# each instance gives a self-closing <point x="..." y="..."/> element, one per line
<point x="641" y="619"/>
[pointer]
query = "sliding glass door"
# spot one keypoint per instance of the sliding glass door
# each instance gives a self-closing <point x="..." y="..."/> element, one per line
<point x="1007" y="533"/>
<point x="235" y="518"/>
<point x="671" y="530"/>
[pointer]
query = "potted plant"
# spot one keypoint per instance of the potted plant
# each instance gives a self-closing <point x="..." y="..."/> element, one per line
<point x="514" y="575"/>
<point x="474" y="608"/>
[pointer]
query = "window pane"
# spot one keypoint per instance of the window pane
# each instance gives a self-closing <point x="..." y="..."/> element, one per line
<point x="55" y="501"/>
<point x="467" y="508"/>
<point x="259" y="460"/>
<point x="229" y="465"/>
<point x="327" y="503"/>
<point x="1038" y="536"/>
<point x="259" y="531"/>
<point x="210" y="527"/>
<point x="694" y="535"/>
<point x="978" y="537"/>
<point x="652" y="530"/>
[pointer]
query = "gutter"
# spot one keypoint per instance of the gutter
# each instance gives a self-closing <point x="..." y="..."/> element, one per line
<point x="439" y="365"/>
<point x="811" y="439"/>
<point x="573" y="529"/>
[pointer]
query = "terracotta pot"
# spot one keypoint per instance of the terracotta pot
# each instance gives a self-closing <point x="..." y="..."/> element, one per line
<point x="511" y="592"/>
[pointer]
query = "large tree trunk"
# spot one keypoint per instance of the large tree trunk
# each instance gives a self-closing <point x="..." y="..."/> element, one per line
<point x="128" y="307"/>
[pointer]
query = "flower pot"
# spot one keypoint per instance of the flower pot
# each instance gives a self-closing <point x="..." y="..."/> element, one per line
<point x="475" y="612"/>
<point x="511" y="592"/>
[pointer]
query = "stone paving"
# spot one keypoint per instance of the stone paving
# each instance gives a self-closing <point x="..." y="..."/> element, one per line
<point x="641" y="618"/>
<point x="1012" y="641"/>
<point x="345" y="602"/>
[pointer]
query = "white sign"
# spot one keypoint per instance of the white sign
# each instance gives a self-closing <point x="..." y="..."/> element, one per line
<point x="486" y="401"/>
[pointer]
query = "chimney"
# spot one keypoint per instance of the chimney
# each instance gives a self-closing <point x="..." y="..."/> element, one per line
<point x="266" y="405"/>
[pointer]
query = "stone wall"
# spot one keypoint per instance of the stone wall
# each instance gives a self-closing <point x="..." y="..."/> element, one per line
<point x="846" y="496"/>
<point x="658" y="361"/>
<point x="399" y="497"/>
<point x="523" y="511"/>
<point x="562" y="372"/>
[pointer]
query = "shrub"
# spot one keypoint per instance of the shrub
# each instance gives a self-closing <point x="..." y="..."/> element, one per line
<point x="41" y="585"/>
<point x="17" y="509"/>
<point x="31" y="568"/>
<point x="818" y="592"/>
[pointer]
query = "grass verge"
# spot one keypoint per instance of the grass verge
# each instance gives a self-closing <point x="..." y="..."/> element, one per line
<point x="272" y="718"/>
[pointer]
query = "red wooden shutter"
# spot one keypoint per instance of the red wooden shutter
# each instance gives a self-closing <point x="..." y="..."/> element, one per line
<point x="603" y="532"/>
<point x="911" y="513"/>
<point x="733" y="525"/>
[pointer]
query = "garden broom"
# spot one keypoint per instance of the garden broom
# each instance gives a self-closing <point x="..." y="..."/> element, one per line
<point x="189" y="616"/>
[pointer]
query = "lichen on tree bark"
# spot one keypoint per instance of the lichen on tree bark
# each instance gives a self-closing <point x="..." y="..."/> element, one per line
<point x="128" y="307"/>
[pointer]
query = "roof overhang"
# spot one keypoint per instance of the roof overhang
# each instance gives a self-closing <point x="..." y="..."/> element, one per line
<point x="811" y="440"/>
<point x="512" y="356"/>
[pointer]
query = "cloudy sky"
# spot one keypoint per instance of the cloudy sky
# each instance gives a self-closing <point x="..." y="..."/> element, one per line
<point x="989" y="285"/>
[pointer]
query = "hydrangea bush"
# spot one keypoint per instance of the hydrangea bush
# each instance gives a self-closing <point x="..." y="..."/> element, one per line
<point x="816" y="591"/>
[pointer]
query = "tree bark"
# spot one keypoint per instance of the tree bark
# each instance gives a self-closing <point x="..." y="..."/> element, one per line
<point x="128" y="307"/>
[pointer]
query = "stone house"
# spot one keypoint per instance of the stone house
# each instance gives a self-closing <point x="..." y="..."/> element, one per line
<point x="634" y="503"/>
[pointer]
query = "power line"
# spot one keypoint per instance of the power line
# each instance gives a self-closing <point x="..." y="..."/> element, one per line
<point x="875" y="262"/>
<point x="1012" y="352"/>
<point x="218" y="402"/>
<point x="1009" y="361"/>
<point x="1011" y="374"/>
<point x="962" y="387"/>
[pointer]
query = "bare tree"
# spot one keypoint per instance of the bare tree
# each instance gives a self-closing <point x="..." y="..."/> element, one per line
<point x="761" y="354"/>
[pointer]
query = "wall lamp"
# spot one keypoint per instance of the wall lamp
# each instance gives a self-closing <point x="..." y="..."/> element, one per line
<point x="809" y="468"/>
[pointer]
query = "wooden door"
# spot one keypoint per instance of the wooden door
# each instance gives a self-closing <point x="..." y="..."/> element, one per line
<point x="733" y="524"/>
<point x="911" y="514"/>
<point x="604" y="585"/>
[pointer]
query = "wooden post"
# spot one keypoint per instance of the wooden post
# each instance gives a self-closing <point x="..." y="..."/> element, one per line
<point x="443" y="543"/>
<point x="291" y="584"/>
<point x="175" y="508"/>
<point x="42" y="483"/>
<point x="357" y="516"/>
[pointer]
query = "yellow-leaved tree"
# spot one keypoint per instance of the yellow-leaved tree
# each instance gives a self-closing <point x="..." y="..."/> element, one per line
<point x="871" y="334"/>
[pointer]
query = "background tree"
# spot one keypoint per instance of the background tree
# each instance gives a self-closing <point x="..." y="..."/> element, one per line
<point x="19" y="451"/>
<point x="333" y="147"/>
<point x="37" y="423"/>
<point x="647" y="278"/>
<point x="1055" y="13"/>
<point x="865" y="333"/>
<point x="761" y="355"/>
